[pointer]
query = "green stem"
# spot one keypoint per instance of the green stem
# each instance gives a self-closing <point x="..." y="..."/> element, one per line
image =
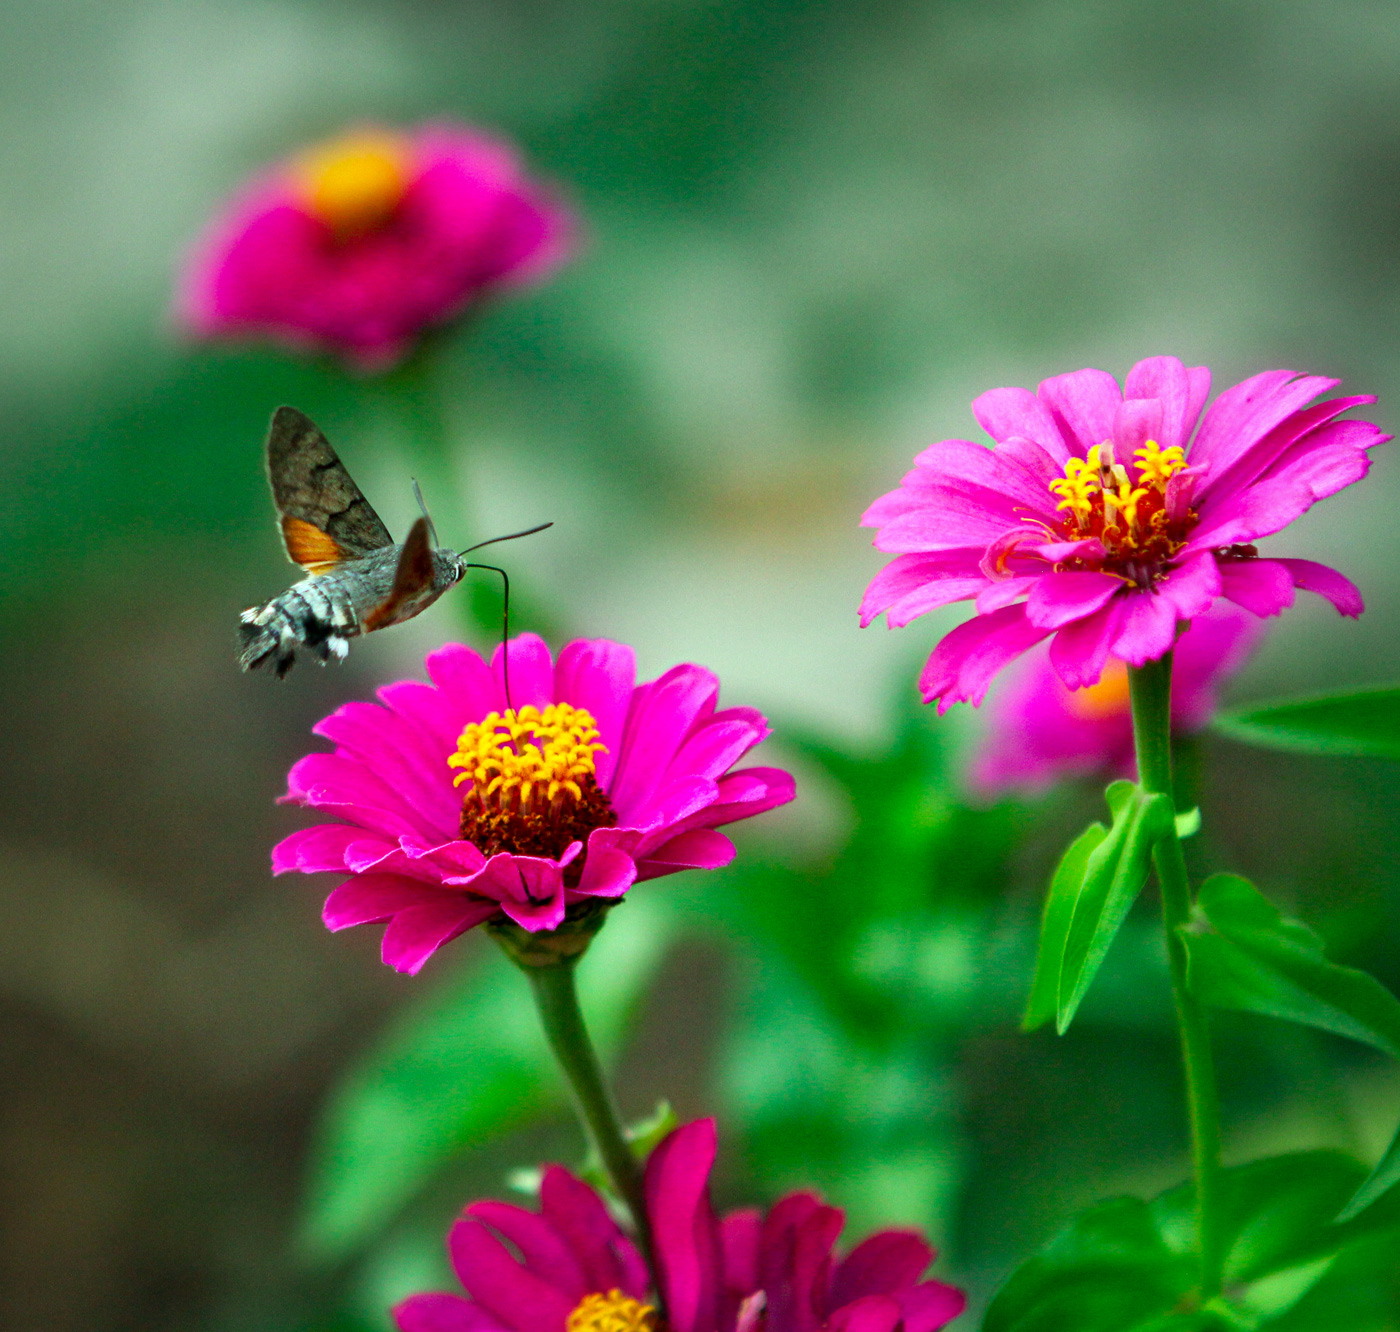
<point x="556" y="997"/>
<point x="1151" y="695"/>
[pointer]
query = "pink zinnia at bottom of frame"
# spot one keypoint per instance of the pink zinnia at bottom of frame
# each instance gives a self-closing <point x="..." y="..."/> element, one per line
<point x="1038" y="732"/>
<point x="570" y="1268"/>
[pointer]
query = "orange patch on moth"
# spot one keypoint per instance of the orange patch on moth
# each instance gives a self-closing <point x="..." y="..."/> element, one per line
<point x="310" y="547"/>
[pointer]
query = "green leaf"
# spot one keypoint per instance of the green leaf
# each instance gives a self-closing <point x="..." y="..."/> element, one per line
<point x="1243" y="953"/>
<point x="1130" y="1266"/>
<point x="460" y="1068"/>
<point x="1363" y="723"/>
<point x="1189" y="823"/>
<point x="1094" y="886"/>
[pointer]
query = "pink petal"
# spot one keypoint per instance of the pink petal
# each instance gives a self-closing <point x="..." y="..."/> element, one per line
<point x="417" y="932"/>
<point x="962" y="462"/>
<point x="531" y="671"/>
<point x="874" y="1313"/>
<point x="1058" y="599"/>
<point x="368" y="898"/>
<point x="441" y="1312"/>
<point x="739" y="1237"/>
<point x="962" y="665"/>
<point x="1244" y="414"/>
<point x="426" y="709"/>
<point x="661" y="718"/>
<point x="1192" y="586"/>
<point x="599" y="675"/>
<point x="1328" y="583"/>
<point x="610" y="1260"/>
<point x="701" y="848"/>
<point x="1008" y="412"/>
<point x="911" y="585"/>
<point x="1084" y="404"/>
<point x="1264" y="587"/>
<point x="889" y="1261"/>
<point x="1136" y="421"/>
<point x="348" y="789"/>
<point x="1181" y="392"/>
<point x="492" y="1277"/>
<point x="543" y="1252"/>
<point x="684" y="1229"/>
<point x="930" y="1306"/>
<point x="994" y="596"/>
<point x="607" y="873"/>
<point x="530" y="889"/>
<point x="1147" y="630"/>
<point x="465" y="681"/>
<point x="320" y="849"/>
<point x="1080" y="650"/>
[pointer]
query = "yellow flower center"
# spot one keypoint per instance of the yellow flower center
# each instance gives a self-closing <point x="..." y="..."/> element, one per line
<point x="613" y="1312"/>
<point x="533" y="780"/>
<point x="1108" y="698"/>
<point x="1126" y="510"/>
<point x="354" y="184"/>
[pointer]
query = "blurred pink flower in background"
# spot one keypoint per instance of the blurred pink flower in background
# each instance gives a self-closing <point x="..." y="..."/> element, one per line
<point x="358" y="245"/>
<point x="570" y="1268"/>
<point x="456" y="807"/>
<point x="1036" y="732"/>
<point x="1103" y="516"/>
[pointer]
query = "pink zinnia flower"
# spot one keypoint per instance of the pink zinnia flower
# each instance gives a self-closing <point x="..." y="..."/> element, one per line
<point x="569" y="1268"/>
<point x="456" y="806"/>
<point x="1037" y="732"/>
<point x="1097" y="517"/>
<point x="358" y="245"/>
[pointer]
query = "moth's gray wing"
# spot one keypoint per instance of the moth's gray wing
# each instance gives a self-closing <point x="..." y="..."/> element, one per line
<point x="310" y="486"/>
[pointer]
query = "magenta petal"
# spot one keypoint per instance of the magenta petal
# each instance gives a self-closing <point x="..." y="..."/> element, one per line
<point x="930" y="1306"/>
<point x="1084" y="404"/>
<point x="1007" y="413"/>
<point x="610" y="1260"/>
<point x="466" y="681"/>
<point x="1136" y="421"/>
<point x="509" y="1293"/>
<point x="739" y="1239"/>
<point x="1170" y="383"/>
<point x="873" y="1313"/>
<point x="962" y="665"/>
<point x="911" y="585"/>
<point x="607" y="873"/>
<point x="543" y="1252"/>
<point x="1059" y="598"/>
<point x="599" y="676"/>
<point x="1192" y="586"/>
<point x="661" y="718"/>
<point x="1244" y="414"/>
<point x="685" y="1232"/>
<point x="531" y="671"/>
<point x="1147" y="630"/>
<point x="417" y="932"/>
<point x="1328" y="583"/>
<point x="441" y="1312"/>
<point x="701" y="848"/>
<point x="1080" y="650"/>
<point x="1264" y="587"/>
<point x="317" y="850"/>
<point x="885" y="1263"/>
<point x="368" y="898"/>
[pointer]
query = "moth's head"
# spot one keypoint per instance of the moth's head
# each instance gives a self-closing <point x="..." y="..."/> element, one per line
<point x="448" y="568"/>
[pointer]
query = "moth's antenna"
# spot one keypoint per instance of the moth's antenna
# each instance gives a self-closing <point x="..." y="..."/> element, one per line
<point x="513" y="536"/>
<point x="505" y="617"/>
<point x="423" y="509"/>
<point x="505" y="592"/>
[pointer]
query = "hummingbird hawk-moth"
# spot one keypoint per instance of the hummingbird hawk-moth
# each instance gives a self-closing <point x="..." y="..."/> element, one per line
<point x="358" y="579"/>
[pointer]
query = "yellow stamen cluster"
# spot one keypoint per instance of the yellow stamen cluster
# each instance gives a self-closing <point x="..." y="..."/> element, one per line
<point x="613" y="1312"/>
<point x="528" y="759"/>
<point x="1125" y="509"/>
<point x="354" y="184"/>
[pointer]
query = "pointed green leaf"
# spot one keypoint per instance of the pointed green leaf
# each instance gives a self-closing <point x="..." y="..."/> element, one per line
<point x="1243" y="953"/>
<point x="1360" y="722"/>
<point x="1380" y="1181"/>
<point x="460" y="1068"/>
<point x="1054" y="926"/>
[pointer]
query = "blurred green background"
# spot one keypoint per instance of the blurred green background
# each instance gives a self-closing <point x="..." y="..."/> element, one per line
<point x="815" y="231"/>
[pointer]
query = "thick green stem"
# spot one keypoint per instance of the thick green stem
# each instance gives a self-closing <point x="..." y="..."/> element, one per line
<point x="556" y="997"/>
<point x="1151" y="694"/>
